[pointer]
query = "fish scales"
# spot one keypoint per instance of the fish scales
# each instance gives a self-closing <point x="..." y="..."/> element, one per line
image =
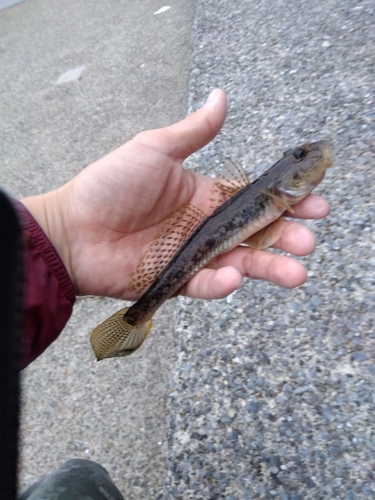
<point x="252" y="208"/>
<point x="214" y="236"/>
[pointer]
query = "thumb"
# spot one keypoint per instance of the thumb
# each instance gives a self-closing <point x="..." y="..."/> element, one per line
<point x="195" y="131"/>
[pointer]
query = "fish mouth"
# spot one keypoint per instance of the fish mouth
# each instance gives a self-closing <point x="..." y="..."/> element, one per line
<point x="325" y="149"/>
<point x="325" y="162"/>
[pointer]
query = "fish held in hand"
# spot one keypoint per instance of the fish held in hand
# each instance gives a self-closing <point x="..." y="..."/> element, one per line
<point x="249" y="213"/>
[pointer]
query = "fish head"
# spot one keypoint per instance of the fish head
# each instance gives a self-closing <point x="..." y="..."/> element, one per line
<point x="305" y="167"/>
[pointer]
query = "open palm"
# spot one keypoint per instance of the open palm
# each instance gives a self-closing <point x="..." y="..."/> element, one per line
<point x="103" y="221"/>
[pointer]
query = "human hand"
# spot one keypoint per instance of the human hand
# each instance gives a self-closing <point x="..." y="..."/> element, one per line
<point x="102" y="221"/>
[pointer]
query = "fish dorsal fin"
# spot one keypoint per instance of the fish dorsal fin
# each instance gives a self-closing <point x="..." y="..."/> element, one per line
<point x="233" y="170"/>
<point x="231" y="180"/>
<point x="174" y="233"/>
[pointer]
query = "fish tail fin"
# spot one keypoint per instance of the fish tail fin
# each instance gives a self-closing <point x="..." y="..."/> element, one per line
<point x="116" y="338"/>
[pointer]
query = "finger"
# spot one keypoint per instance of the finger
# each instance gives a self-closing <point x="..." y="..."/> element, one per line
<point x="256" y="264"/>
<point x="210" y="284"/>
<point x="193" y="132"/>
<point x="312" y="207"/>
<point x="260" y="264"/>
<point x="296" y="239"/>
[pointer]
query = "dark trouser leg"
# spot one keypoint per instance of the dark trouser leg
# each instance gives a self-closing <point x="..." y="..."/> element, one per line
<point x="76" y="479"/>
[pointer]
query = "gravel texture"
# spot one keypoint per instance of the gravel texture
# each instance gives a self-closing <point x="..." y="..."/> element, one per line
<point x="273" y="394"/>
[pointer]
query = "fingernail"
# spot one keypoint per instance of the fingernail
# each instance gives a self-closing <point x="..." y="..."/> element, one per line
<point x="212" y="97"/>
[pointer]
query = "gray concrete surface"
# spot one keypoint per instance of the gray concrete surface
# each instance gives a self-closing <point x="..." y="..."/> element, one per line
<point x="134" y="78"/>
<point x="4" y="4"/>
<point x="266" y="394"/>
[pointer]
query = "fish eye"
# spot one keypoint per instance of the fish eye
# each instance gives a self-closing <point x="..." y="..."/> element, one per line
<point x="299" y="153"/>
<point x="288" y="152"/>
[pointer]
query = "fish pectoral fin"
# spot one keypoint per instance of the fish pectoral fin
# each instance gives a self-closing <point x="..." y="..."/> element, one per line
<point x="280" y="201"/>
<point x="116" y="338"/>
<point x="267" y="236"/>
<point x="173" y="234"/>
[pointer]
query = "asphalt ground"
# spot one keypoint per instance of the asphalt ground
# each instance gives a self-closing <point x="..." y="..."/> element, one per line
<point x="272" y="395"/>
<point x="266" y="394"/>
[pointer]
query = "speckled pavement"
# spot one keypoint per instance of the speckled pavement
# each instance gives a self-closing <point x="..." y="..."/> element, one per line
<point x="268" y="393"/>
<point x="272" y="395"/>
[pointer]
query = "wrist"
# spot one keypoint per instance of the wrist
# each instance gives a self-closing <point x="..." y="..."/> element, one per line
<point x="46" y="210"/>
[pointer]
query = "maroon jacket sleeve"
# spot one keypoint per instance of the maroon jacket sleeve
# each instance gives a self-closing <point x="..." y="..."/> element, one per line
<point x="49" y="293"/>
